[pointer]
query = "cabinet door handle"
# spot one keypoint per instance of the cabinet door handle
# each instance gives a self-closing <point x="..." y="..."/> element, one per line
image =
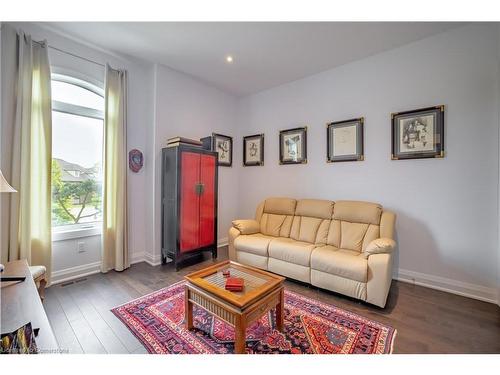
<point x="199" y="188"/>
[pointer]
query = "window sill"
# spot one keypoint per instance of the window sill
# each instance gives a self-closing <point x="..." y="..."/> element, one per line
<point x="73" y="233"/>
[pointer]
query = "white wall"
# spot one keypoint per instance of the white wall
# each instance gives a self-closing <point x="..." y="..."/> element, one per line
<point x="447" y="225"/>
<point x="447" y="208"/>
<point x="498" y="229"/>
<point x="2" y="219"/>
<point x="187" y="107"/>
<point x="65" y="257"/>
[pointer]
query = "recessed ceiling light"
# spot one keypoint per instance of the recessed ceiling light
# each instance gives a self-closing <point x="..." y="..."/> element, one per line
<point x="229" y="59"/>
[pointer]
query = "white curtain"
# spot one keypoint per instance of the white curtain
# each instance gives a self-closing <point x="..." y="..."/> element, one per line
<point x="115" y="233"/>
<point x="30" y="208"/>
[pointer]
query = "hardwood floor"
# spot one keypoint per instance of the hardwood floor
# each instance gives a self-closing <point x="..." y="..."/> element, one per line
<point x="428" y="321"/>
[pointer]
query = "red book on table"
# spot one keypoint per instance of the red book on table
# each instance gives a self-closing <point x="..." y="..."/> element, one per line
<point x="234" y="289"/>
<point x="234" y="283"/>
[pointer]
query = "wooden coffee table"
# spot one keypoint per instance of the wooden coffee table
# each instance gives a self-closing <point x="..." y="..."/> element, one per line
<point x="263" y="291"/>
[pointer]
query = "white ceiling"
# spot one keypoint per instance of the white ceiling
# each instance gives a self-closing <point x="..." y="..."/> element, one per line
<point x="265" y="54"/>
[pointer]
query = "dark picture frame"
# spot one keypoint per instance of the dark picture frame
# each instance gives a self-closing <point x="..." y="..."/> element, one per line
<point x="418" y="134"/>
<point x="224" y="153"/>
<point x="253" y="144"/>
<point x="293" y="146"/>
<point x="350" y="143"/>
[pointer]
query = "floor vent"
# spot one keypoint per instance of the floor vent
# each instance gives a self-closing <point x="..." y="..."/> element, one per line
<point x="73" y="282"/>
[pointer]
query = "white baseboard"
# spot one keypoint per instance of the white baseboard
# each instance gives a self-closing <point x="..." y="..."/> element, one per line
<point x="222" y="242"/>
<point x="72" y="273"/>
<point x="461" y="288"/>
<point x="152" y="260"/>
<point x="137" y="257"/>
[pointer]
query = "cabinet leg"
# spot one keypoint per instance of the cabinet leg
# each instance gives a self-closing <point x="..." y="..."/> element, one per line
<point x="214" y="254"/>
<point x="188" y="309"/>
<point x="240" y="333"/>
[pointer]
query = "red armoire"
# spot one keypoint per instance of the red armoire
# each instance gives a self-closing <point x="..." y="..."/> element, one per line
<point x="189" y="203"/>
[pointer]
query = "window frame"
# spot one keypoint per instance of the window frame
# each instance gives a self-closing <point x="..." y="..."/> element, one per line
<point x="71" y="231"/>
<point x="74" y="109"/>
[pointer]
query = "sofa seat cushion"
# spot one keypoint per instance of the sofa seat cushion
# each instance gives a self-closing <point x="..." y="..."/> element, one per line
<point x="291" y="251"/>
<point x="340" y="262"/>
<point x="254" y="243"/>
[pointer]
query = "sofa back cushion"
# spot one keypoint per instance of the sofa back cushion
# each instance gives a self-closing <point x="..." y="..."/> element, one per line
<point x="277" y="216"/>
<point x="280" y="206"/>
<point x="354" y="225"/>
<point x="344" y="224"/>
<point x="311" y="221"/>
<point x="317" y="208"/>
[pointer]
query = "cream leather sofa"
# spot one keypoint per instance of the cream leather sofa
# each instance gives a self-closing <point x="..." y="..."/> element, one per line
<point x="343" y="246"/>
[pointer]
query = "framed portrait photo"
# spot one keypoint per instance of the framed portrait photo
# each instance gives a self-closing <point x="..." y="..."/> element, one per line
<point x="293" y="146"/>
<point x="344" y="140"/>
<point x="418" y="134"/>
<point x="253" y="150"/>
<point x="223" y="144"/>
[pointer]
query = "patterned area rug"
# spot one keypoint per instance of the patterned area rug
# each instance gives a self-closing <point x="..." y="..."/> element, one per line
<point x="157" y="320"/>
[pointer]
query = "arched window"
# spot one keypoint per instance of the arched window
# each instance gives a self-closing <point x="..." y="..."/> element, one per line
<point x="77" y="140"/>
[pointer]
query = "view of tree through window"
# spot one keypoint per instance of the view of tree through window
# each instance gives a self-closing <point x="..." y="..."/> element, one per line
<point x="77" y="136"/>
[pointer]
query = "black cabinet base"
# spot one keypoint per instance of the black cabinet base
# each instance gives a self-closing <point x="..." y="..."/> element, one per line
<point x="187" y="259"/>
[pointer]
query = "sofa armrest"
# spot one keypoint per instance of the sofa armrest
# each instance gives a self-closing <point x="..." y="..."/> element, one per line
<point x="379" y="246"/>
<point x="233" y="234"/>
<point x="379" y="278"/>
<point x="247" y="226"/>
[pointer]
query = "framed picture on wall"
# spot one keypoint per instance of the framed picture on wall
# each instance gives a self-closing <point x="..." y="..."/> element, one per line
<point x="293" y="146"/>
<point x="223" y="144"/>
<point x="253" y="150"/>
<point x="418" y="134"/>
<point x="344" y="140"/>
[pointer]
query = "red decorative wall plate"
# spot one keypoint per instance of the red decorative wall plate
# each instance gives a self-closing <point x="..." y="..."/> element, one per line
<point x="135" y="160"/>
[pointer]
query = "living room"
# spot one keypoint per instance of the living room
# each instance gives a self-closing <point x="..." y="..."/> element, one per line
<point x="250" y="187"/>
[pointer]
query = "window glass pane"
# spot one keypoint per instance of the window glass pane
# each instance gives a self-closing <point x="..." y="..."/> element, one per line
<point x="72" y="94"/>
<point x="76" y="169"/>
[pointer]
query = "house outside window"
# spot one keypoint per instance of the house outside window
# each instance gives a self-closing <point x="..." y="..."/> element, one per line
<point x="77" y="144"/>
